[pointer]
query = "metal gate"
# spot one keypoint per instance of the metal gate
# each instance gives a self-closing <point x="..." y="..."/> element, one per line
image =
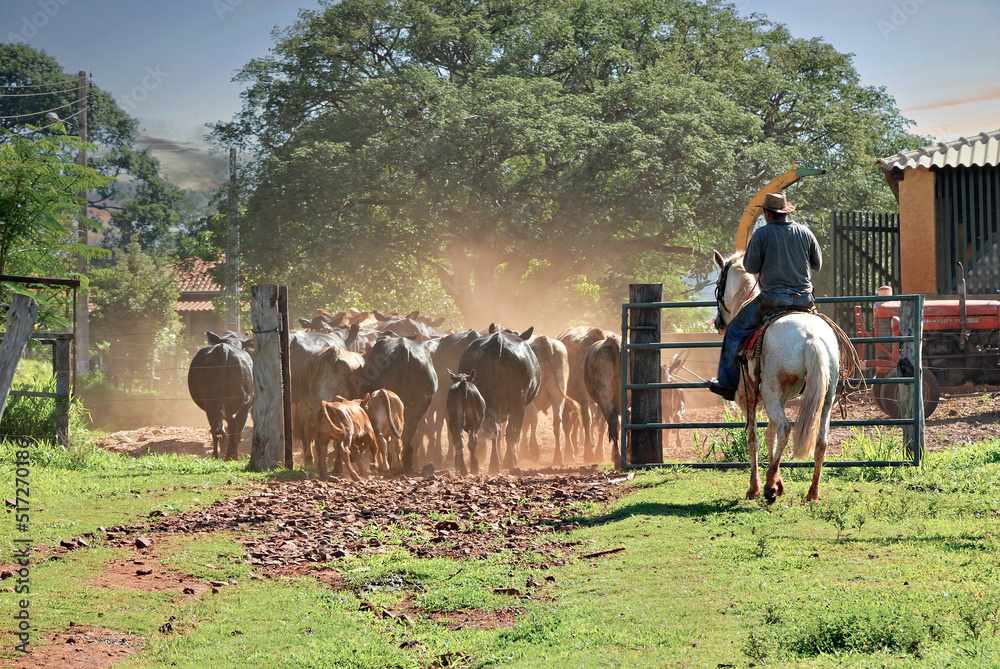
<point x="865" y="257"/>
<point x="634" y="327"/>
<point x="968" y="228"/>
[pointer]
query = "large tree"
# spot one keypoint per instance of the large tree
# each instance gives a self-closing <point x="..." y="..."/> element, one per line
<point x="533" y="158"/>
<point x="138" y="199"/>
<point x="39" y="185"/>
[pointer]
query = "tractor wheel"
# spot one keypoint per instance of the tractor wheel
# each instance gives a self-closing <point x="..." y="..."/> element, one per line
<point x="885" y="394"/>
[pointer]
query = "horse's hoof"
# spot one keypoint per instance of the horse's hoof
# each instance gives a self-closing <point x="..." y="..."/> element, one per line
<point x="781" y="489"/>
<point x="753" y="494"/>
<point x="769" y="495"/>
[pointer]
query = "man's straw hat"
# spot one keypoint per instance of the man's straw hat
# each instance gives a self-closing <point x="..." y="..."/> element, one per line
<point x="778" y="203"/>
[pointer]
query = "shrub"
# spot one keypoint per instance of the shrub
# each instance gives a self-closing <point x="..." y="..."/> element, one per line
<point x="31" y="416"/>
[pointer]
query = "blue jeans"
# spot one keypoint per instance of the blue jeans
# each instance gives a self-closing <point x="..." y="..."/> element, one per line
<point x="743" y="324"/>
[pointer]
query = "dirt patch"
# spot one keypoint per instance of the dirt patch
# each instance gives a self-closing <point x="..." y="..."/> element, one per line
<point x="307" y="524"/>
<point x="166" y="440"/>
<point x="477" y="619"/>
<point x="148" y="575"/>
<point x="80" y="647"/>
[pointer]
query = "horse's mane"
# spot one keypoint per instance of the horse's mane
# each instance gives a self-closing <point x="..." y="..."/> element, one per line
<point x="736" y="261"/>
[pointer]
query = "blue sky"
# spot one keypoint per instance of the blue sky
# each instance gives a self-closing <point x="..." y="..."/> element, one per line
<point x="170" y="62"/>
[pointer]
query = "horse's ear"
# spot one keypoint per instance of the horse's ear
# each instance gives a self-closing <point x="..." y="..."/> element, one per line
<point x="719" y="260"/>
<point x="675" y="364"/>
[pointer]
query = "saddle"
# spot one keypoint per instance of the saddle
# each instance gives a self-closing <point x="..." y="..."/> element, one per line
<point x="750" y="351"/>
<point x="750" y="348"/>
<point x="751" y="345"/>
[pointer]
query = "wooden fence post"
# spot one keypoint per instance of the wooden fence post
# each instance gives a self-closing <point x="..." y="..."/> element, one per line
<point x="62" y="369"/>
<point x="644" y="367"/>
<point x="286" y="379"/>
<point x="20" y="321"/>
<point x="911" y="404"/>
<point x="267" y="449"/>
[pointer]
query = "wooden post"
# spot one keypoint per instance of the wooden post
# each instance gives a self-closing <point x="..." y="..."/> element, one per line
<point x="20" y="321"/>
<point x="82" y="314"/>
<point x="286" y="378"/>
<point x="266" y="451"/>
<point x="911" y="322"/>
<point x="61" y="363"/>
<point x="644" y="367"/>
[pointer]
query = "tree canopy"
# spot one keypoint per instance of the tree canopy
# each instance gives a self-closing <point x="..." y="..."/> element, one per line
<point x="39" y="185"/>
<point x="138" y="199"/>
<point x="515" y="159"/>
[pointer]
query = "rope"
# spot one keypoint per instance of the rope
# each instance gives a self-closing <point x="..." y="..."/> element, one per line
<point x="850" y="363"/>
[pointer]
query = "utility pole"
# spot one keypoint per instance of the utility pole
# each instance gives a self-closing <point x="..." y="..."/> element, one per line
<point x="83" y="302"/>
<point x="233" y="252"/>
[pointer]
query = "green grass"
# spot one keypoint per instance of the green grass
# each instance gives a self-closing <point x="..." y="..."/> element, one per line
<point x="899" y="570"/>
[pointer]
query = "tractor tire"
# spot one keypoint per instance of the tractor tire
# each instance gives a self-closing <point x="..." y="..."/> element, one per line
<point x="885" y="394"/>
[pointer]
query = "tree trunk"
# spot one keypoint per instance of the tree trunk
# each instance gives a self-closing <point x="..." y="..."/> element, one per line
<point x="268" y="443"/>
<point x="20" y="322"/>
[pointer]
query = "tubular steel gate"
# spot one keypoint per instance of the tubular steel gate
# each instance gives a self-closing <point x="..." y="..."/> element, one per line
<point x="913" y="428"/>
<point x="865" y="257"/>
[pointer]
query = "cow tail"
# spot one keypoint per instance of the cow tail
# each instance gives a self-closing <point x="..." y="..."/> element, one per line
<point x="388" y="412"/>
<point x="225" y="380"/>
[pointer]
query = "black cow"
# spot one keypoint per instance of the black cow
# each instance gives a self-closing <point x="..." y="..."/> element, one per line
<point x="508" y="378"/>
<point x="466" y="411"/>
<point x="404" y="367"/>
<point x="220" y="381"/>
<point x="446" y="353"/>
<point x="327" y="373"/>
<point x="411" y="326"/>
<point x="301" y="345"/>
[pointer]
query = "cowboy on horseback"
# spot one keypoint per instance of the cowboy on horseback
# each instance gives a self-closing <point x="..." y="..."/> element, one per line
<point x="783" y="254"/>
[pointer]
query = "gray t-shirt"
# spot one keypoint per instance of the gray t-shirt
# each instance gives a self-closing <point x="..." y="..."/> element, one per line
<point x="782" y="253"/>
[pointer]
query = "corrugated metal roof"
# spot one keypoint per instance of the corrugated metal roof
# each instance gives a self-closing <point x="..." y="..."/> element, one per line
<point x="979" y="150"/>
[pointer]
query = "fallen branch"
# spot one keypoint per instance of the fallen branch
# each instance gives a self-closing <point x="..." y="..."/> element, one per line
<point x="607" y="552"/>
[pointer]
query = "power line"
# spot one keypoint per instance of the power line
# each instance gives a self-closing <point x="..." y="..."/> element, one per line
<point x="53" y="83"/>
<point x="31" y="95"/>
<point x="45" y="111"/>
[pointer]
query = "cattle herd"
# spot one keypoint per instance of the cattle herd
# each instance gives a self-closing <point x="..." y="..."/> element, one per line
<point x="388" y="383"/>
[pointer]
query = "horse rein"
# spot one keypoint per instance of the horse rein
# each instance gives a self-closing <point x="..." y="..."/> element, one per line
<point x="720" y="295"/>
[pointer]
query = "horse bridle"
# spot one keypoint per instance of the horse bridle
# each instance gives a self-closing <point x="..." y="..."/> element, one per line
<point x="720" y="295"/>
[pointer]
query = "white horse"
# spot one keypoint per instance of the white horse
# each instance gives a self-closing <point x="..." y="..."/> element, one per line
<point x="800" y="355"/>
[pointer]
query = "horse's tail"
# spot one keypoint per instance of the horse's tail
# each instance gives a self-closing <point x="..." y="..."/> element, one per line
<point x="811" y="410"/>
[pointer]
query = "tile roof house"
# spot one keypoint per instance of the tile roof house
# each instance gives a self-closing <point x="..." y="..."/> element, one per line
<point x="198" y="293"/>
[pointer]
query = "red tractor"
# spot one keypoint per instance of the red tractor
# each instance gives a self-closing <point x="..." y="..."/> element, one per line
<point x="961" y="345"/>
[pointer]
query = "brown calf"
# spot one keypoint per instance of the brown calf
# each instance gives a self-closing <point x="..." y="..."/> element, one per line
<point x="347" y="424"/>
<point x="385" y="410"/>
